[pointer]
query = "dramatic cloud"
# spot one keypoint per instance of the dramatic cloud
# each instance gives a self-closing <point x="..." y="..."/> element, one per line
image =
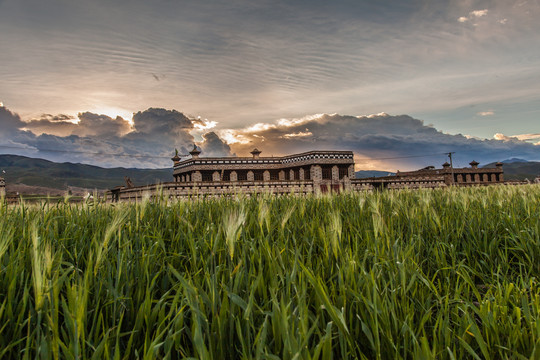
<point x="160" y="131"/>
<point x="9" y="121"/>
<point x="213" y="145"/>
<point x="86" y="124"/>
<point x="379" y="141"/>
<point x="105" y="141"/>
<point x="101" y="125"/>
<point x="155" y="121"/>
<point x="12" y="139"/>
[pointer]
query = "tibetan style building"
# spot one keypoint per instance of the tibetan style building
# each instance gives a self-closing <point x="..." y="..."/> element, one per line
<point x="327" y="167"/>
<point x="447" y="176"/>
<point x="309" y="172"/>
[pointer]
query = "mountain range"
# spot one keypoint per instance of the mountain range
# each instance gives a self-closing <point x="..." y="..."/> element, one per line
<point x="43" y="173"/>
<point x="519" y="169"/>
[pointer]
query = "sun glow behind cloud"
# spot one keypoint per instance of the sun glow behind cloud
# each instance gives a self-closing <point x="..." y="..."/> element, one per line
<point x="233" y="137"/>
<point x="486" y="113"/>
<point x="203" y="124"/>
<point x="113" y="112"/>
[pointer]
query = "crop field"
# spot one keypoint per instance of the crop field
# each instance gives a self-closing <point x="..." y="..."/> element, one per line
<point x="445" y="274"/>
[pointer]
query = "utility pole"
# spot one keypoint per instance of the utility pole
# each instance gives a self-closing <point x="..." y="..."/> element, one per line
<point x="451" y="166"/>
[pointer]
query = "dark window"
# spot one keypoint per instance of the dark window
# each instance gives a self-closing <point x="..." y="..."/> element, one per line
<point x="343" y="172"/>
<point x="258" y="176"/>
<point x="327" y="173"/>
<point x="206" y="176"/>
<point x="274" y="175"/>
<point x="242" y="176"/>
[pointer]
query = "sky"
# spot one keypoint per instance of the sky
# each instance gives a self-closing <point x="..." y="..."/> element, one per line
<point x="124" y="83"/>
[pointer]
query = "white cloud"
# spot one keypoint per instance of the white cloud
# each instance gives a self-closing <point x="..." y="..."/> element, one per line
<point x="521" y="137"/>
<point x="528" y="137"/>
<point x="233" y="137"/>
<point x="499" y="136"/>
<point x="297" y="135"/>
<point x="486" y="113"/>
<point x="478" y="13"/>
<point x="503" y="21"/>
<point x="382" y="138"/>
<point x="299" y="121"/>
<point x="473" y="15"/>
<point x="203" y="124"/>
<point x="259" y="127"/>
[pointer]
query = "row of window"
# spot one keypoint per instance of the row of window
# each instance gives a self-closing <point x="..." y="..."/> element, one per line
<point x="476" y="177"/>
<point x="267" y="161"/>
<point x="208" y="176"/>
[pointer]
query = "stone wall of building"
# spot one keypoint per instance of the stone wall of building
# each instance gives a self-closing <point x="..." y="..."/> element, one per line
<point x="311" y="172"/>
<point x="177" y="190"/>
<point x="391" y="182"/>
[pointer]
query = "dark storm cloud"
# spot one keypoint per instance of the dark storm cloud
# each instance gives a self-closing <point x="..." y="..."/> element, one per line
<point x="101" y="125"/>
<point x="161" y="121"/>
<point x="9" y="121"/>
<point x="404" y="142"/>
<point x="56" y="118"/>
<point x="105" y="141"/>
<point x="89" y="124"/>
<point x="160" y="131"/>
<point x="377" y="137"/>
<point x="213" y="145"/>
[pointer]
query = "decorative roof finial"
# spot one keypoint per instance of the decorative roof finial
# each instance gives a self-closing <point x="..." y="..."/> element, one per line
<point x="195" y="152"/>
<point x="256" y="152"/>
<point x="175" y="158"/>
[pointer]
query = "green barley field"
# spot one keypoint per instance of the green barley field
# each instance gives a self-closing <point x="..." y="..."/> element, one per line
<point x="413" y="274"/>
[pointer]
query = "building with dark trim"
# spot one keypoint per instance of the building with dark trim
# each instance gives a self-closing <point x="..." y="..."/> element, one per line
<point x="446" y="176"/>
<point x="304" y="173"/>
<point x="329" y="167"/>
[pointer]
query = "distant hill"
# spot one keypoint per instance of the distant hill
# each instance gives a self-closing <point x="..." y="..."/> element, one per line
<point x="362" y="174"/>
<point x="514" y="160"/>
<point x="39" y="172"/>
<point x="518" y="169"/>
